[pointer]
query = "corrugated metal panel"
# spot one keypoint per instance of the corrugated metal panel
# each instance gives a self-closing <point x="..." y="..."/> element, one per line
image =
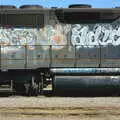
<point x="38" y="57"/>
<point x="88" y="57"/>
<point x="64" y="57"/>
<point x="15" y="58"/>
<point x="110" y="56"/>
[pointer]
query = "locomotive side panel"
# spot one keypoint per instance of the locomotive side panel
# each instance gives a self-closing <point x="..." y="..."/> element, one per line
<point x="97" y="43"/>
<point x="95" y="34"/>
<point x="57" y="39"/>
<point x="20" y="36"/>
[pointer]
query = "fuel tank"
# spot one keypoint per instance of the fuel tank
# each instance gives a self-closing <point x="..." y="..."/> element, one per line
<point x="86" y="85"/>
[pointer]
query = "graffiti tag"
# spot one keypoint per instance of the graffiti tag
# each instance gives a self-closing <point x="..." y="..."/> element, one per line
<point x="99" y="34"/>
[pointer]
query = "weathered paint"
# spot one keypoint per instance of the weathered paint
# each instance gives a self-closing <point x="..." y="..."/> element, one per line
<point x="61" y="45"/>
<point x="15" y="38"/>
<point x="53" y="35"/>
<point x="49" y="35"/>
<point x="82" y="35"/>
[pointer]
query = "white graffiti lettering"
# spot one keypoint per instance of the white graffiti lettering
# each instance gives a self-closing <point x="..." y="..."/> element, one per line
<point x="99" y="34"/>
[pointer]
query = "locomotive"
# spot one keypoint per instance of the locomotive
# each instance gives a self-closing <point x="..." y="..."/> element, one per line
<point x="75" y="49"/>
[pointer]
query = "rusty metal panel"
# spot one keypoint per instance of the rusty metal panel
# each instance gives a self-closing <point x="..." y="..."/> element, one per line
<point x="12" y="57"/>
<point x="65" y="57"/>
<point x="110" y="56"/>
<point x="38" y="57"/>
<point x="88" y="56"/>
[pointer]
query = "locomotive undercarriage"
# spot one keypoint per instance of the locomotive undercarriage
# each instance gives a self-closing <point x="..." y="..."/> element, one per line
<point x="63" y="81"/>
<point x="24" y="82"/>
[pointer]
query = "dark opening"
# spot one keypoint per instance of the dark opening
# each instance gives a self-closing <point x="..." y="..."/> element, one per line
<point x="76" y="17"/>
<point x="26" y="20"/>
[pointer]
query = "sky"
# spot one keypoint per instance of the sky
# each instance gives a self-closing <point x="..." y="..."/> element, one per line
<point x="63" y="3"/>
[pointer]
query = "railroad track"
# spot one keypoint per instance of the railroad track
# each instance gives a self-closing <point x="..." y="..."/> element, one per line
<point x="59" y="108"/>
<point x="59" y="113"/>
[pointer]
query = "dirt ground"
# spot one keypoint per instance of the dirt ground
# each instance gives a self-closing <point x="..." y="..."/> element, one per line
<point x="59" y="108"/>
